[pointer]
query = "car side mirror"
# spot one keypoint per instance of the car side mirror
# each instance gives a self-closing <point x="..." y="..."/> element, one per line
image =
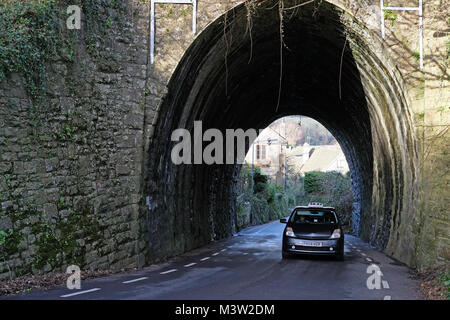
<point x="283" y="220"/>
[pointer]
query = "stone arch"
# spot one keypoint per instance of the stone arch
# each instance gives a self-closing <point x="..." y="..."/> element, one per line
<point x="362" y="103"/>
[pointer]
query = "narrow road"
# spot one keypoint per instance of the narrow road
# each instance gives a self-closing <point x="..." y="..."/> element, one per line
<point x="249" y="266"/>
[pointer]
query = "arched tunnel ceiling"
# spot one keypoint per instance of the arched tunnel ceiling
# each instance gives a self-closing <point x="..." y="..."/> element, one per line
<point x="228" y="81"/>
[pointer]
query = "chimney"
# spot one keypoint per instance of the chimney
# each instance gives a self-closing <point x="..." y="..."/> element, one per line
<point x="305" y="154"/>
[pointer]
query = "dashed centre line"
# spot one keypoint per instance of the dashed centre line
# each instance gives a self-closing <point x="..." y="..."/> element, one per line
<point x="215" y="254"/>
<point x="368" y="259"/>
<point x="190" y="265"/>
<point x="168" y="271"/>
<point x="135" y="280"/>
<point x="79" y="292"/>
<point x="204" y="259"/>
<point x="223" y="250"/>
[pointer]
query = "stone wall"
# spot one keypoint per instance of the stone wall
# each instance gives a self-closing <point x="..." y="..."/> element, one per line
<point x="71" y="171"/>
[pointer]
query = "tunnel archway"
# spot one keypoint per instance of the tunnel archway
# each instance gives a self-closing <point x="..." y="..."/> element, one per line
<point x="334" y="71"/>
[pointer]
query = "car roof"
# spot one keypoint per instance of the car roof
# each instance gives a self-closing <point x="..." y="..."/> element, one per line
<point x="314" y="208"/>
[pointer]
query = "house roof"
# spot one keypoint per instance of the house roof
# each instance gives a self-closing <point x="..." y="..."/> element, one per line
<point x="296" y="150"/>
<point x="321" y="159"/>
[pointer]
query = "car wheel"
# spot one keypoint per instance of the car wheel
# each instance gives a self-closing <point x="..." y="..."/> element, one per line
<point x="340" y="255"/>
<point x="285" y="255"/>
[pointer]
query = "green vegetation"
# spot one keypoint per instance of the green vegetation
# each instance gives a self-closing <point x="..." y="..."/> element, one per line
<point x="57" y="243"/>
<point x="3" y="236"/>
<point x="29" y="36"/>
<point x="330" y="188"/>
<point x="9" y="241"/>
<point x="44" y="241"/>
<point x="33" y="32"/>
<point x="269" y="201"/>
<point x="445" y="280"/>
<point x="390" y="15"/>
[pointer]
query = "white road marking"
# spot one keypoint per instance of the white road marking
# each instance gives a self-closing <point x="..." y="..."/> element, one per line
<point x="358" y="250"/>
<point x="215" y="254"/>
<point x="168" y="271"/>
<point x="135" y="280"/>
<point x="204" y="259"/>
<point x="79" y="292"/>
<point x="223" y="250"/>
<point x="245" y="253"/>
<point x="385" y="284"/>
<point x="368" y="259"/>
<point x="190" y="265"/>
<point x="363" y="254"/>
<point x="387" y="298"/>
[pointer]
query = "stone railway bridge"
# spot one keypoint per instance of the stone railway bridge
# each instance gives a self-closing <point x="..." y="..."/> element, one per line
<point x="73" y="188"/>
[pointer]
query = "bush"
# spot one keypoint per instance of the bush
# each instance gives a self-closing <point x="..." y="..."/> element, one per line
<point x="330" y="188"/>
<point x="260" y="180"/>
<point x="29" y="36"/>
<point x="313" y="181"/>
<point x="268" y="202"/>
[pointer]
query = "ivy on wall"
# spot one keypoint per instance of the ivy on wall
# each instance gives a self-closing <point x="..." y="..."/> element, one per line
<point x="29" y="35"/>
<point x="34" y="32"/>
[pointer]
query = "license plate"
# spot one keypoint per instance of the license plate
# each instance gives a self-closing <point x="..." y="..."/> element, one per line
<point x="309" y="243"/>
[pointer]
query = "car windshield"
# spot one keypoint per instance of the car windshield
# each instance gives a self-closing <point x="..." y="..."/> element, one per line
<point x="313" y="217"/>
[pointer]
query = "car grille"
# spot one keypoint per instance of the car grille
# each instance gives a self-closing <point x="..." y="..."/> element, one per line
<point x="310" y="243"/>
<point x="327" y="249"/>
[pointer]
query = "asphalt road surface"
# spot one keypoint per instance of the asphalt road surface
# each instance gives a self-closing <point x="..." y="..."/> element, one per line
<point x="249" y="266"/>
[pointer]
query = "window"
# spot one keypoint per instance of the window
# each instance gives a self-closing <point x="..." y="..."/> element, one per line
<point x="313" y="217"/>
<point x="263" y="153"/>
<point x="258" y="152"/>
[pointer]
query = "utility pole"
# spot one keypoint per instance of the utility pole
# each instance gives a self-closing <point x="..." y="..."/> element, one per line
<point x="253" y="167"/>
<point x="285" y="172"/>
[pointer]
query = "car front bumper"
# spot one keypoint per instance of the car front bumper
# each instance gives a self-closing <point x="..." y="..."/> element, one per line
<point x="306" y="246"/>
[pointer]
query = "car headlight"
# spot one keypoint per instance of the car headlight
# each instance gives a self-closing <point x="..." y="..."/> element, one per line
<point x="336" y="234"/>
<point x="290" y="232"/>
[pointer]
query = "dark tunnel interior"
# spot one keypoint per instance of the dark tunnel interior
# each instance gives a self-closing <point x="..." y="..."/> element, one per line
<point x="229" y="82"/>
